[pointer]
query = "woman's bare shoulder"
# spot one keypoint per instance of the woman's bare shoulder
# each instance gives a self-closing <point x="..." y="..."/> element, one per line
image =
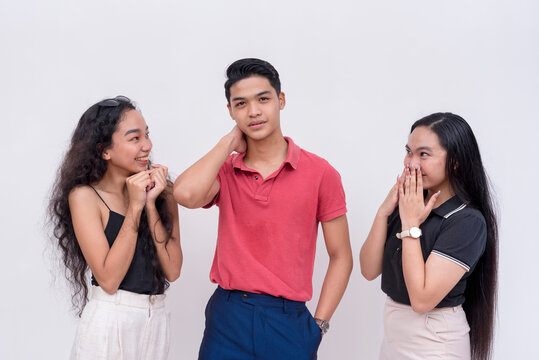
<point x="82" y="195"/>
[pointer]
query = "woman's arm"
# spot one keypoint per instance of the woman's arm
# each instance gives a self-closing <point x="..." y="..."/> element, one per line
<point x="169" y="254"/>
<point x="372" y="252"/>
<point x="427" y="283"/>
<point x="109" y="264"/>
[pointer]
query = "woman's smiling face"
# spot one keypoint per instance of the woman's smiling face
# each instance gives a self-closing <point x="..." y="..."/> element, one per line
<point x="424" y="150"/>
<point x="131" y="144"/>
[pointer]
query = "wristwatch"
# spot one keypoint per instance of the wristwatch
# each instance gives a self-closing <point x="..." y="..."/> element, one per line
<point x="323" y="325"/>
<point x="414" y="232"/>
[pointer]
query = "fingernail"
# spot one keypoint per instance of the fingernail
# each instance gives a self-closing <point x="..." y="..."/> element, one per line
<point x="419" y="167"/>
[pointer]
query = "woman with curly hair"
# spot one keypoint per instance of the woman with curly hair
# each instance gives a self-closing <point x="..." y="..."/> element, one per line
<point x="113" y="213"/>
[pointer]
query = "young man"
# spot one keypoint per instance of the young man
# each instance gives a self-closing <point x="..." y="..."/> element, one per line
<point x="271" y="196"/>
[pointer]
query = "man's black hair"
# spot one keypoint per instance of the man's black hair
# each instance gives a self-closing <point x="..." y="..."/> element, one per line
<point x="245" y="68"/>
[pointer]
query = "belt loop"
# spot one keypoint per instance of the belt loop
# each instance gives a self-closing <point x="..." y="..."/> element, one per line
<point x="228" y="293"/>
<point x="284" y="305"/>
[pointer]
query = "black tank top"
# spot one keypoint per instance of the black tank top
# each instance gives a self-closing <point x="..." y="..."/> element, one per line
<point x="139" y="277"/>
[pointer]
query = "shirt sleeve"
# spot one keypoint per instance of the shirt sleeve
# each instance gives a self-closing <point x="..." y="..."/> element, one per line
<point x="331" y="198"/>
<point x="462" y="239"/>
<point x="220" y="177"/>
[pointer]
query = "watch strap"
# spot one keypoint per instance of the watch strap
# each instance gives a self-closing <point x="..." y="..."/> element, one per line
<point x="409" y="233"/>
<point x="403" y="234"/>
<point x="323" y="325"/>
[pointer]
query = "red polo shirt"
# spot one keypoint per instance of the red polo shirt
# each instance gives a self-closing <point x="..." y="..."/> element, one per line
<point x="267" y="233"/>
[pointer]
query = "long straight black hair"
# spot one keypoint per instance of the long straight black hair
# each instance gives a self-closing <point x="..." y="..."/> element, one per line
<point x="469" y="180"/>
<point x="84" y="165"/>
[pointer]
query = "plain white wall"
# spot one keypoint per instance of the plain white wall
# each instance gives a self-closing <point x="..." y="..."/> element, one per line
<point x="356" y="75"/>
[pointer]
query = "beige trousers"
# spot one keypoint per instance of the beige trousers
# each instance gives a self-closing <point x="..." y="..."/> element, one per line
<point x="437" y="334"/>
<point x="122" y="326"/>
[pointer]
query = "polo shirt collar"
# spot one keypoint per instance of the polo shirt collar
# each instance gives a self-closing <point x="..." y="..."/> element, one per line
<point x="449" y="206"/>
<point x="292" y="156"/>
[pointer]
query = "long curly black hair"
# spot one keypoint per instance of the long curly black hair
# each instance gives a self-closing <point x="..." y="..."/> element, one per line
<point x="84" y="165"/>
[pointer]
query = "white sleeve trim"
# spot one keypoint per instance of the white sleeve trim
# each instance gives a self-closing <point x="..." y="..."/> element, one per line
<point x="450" y="258"/>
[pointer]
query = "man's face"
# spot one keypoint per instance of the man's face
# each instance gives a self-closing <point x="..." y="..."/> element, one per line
<point x="255" y="106"/>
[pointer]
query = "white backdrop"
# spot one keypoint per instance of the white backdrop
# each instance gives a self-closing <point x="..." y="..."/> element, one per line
<point x="356" y="74"/>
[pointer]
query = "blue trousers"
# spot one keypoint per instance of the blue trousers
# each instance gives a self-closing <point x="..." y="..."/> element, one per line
<point x="242" y="325"/>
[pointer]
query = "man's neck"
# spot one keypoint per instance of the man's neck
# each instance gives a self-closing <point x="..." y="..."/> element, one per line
<point x="267" y="155"/>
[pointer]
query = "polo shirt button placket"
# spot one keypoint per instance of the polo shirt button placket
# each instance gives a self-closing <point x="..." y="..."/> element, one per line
<point x="256" y="177"/>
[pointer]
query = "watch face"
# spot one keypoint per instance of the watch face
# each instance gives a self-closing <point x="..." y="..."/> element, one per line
<point x="415" y="232"/>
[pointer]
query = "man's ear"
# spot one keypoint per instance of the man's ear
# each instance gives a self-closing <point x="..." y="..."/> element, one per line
<point x="282" y="100"/>
<point x="230" y="111"/>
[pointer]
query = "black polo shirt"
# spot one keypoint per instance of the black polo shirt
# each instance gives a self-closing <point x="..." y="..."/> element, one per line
<point x="453" y="230"/>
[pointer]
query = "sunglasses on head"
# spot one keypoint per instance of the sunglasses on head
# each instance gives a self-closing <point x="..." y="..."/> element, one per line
<point x="111" y="103"/>
<point x="114" y="102"/>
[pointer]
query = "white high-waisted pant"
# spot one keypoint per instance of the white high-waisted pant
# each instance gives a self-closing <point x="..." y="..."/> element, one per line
<point x="123" y="326"/>
<point x="438" y="334"/>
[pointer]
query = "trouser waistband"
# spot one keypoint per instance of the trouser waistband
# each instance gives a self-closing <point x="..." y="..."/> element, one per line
<point x="395" y="304"/>
<point x="129" y="298"/>
<point x="260" y="299"/>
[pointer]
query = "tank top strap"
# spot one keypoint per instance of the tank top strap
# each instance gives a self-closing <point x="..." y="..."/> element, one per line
<point x="100" y="197"/>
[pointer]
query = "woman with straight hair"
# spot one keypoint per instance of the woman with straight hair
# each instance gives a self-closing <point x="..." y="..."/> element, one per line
<point x="435" y="242"/>
<point x="113" y="213"/>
